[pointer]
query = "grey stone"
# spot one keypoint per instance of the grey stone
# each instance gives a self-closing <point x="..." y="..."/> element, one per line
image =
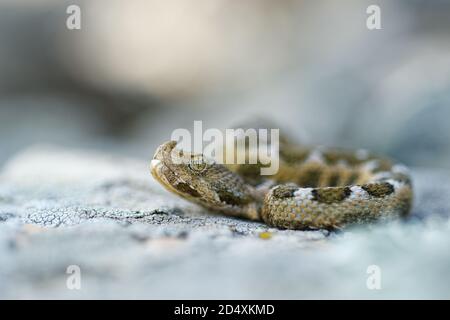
<point x="133" y="239"/>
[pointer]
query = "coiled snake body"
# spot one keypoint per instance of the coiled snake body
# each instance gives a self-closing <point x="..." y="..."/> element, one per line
<point x="314" y="187"/>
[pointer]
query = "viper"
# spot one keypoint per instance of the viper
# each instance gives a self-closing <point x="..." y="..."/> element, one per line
<point x="314" y="188"/>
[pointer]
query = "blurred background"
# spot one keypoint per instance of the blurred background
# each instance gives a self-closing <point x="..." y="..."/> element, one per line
<point x="139" y="69"/>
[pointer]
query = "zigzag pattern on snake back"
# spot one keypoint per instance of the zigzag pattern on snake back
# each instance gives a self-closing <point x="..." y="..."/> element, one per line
<point x="314" y="187"/>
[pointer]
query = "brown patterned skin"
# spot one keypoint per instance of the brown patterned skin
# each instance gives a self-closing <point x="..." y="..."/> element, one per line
<point x="314" y="187"/>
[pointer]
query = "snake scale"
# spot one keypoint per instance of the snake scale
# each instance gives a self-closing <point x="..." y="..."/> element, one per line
<point x="315" y="188"/>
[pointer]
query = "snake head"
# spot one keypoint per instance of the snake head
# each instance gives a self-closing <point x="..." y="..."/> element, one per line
<point x="201" y="180"/>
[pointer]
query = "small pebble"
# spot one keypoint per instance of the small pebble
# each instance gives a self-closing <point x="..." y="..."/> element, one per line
<point x="265" y="235"/>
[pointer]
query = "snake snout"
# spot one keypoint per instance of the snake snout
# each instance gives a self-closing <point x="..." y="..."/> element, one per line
<point x="163" y="152"/>
<point x="162" y="157"/>
<point x="154" y="164"/>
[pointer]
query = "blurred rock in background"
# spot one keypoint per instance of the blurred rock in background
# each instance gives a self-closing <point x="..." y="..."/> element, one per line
<point x="139" y="69"/>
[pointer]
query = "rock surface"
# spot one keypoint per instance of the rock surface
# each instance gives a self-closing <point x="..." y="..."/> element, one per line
<point x="132" y="239"/>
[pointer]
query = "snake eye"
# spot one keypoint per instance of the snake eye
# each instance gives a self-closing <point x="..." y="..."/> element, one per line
<point x="197" y="164"/>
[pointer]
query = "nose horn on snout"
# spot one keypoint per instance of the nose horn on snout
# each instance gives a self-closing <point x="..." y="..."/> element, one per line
<point x="163" y="153"/>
